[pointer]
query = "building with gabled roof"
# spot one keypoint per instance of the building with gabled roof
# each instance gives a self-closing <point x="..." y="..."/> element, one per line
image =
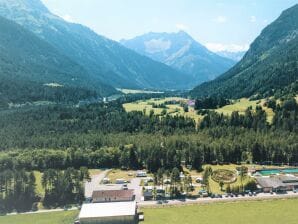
<point x="101" y="196"/>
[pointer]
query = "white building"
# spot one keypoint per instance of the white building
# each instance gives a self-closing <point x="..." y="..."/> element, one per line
<point x="141" y="173"/>
<point x="109" y="213"/>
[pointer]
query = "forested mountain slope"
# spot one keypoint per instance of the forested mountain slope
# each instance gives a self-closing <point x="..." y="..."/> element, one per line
<point x="182" y="52"/>
<point x="270" y="64"/>
<point x="104" y="59"/>
<point x="31" y="69"/>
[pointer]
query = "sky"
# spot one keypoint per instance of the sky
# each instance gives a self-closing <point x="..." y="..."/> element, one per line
<point x="229" y="25"/>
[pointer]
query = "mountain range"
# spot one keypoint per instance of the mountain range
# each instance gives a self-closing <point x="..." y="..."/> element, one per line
<point x="104" y="60"/>
<point x="43" y="57"/>
<point x="270" y="65"/>
<point x="32" y="69"/>
<point x="182" y="52"/>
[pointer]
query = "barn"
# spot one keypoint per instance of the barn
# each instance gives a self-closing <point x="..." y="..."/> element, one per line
<point x="109" y="213"/>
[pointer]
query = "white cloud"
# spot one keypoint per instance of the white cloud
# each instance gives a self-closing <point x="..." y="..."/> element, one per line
<point x="221" y="19"/>
<point x="253" y="19"/>
<point x="181" y="26"/>
<point x="216" y="47"/>
<point x="68" y="18"/>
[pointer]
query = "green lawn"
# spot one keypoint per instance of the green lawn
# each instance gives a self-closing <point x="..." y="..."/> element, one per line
<point x="67" y="217"/>
<point x="256" y="212"/>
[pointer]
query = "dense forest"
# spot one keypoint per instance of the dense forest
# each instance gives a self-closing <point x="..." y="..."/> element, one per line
<point x="104" y="129"/>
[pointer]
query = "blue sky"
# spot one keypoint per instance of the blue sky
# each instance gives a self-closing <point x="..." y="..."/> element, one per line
<point x="219" y="24"/>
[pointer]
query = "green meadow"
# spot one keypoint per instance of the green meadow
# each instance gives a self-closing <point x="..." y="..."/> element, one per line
<point x="256" y="212"/>
<point x="252" y="212"/>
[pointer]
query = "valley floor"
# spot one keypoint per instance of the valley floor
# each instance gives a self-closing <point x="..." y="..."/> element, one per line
<point x="257" y="212"/>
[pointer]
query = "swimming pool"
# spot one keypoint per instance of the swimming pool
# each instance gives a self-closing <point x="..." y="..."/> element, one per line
<point x="278" y="171"/>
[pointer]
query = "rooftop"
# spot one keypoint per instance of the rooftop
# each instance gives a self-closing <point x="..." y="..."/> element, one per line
<point x="113" y="193"/>
<point x="90" y="187"/>
<point x="277" y="181"/>
<point x="97" y="210"/>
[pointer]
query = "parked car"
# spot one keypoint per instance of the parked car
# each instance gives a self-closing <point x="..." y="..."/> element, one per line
<point x="203" y="193"/>
<point x="167" y="181"/>
<point x="149" y="179"/>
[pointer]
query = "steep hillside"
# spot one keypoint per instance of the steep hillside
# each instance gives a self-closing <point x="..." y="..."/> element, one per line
<point x="182" y="52"/>
<point x="31" y="69"/>
<point x="104" y="59"/>
<point x="270" y="64"/>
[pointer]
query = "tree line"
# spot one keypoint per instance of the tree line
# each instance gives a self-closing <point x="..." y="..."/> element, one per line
<point x="18" y="189"/>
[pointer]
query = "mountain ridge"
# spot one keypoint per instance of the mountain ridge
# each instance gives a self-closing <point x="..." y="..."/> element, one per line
<point x="32" y="69"/>
<point x="270" y="64"/>
<point x="180" y="51"/>
<point x="106" y="60"/>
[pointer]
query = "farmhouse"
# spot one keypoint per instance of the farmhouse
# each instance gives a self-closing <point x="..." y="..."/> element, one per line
<point x="100" y="196"/>
<point x="109" y="213"/>
<point x="279" y="183"/>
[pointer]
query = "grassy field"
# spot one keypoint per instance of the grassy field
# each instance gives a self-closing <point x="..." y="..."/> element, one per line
<point x="115" y="174"/>
<point x="173" y="110"/>
<point x="239" y="105"/>
<point x="95" y="171"/>
<point x="66" y="217"/>
<point x="256" y="212"/>
<point x="242" y="104"/>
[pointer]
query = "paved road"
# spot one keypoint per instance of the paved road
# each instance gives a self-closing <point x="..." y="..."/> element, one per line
<point x="187" y="201"/>
<point x="261" y="196"/>
<point x="135" y="184"/>
<point x="94" y="183"/>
